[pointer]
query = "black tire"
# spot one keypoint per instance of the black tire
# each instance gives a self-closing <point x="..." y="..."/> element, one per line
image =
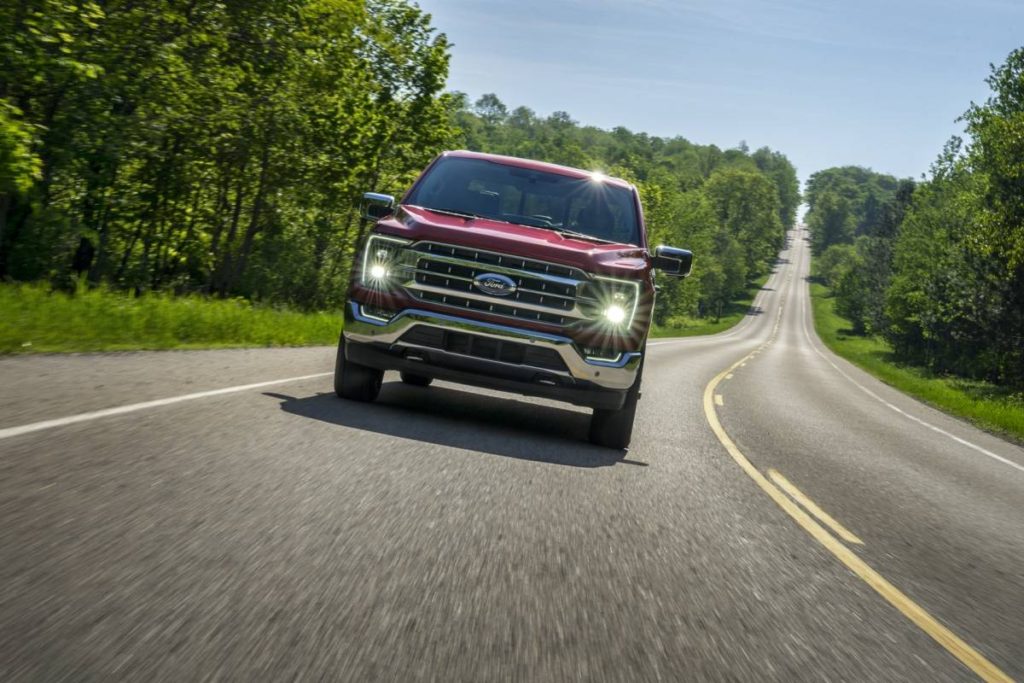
<point x="614" y="428"/>
<point x="416" y="380"/>
<point x="353" y="381"/>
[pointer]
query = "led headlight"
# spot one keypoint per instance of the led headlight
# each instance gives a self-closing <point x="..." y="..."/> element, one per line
<point x="379" y="260"/>
<point x="616" y="302"/>
<point x="615" y="314"/>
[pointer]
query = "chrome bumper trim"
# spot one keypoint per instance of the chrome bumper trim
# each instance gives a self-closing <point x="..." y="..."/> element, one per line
<point x="618" y="374"/>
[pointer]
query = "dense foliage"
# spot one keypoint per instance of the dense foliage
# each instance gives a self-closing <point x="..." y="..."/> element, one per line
<point x="937" y="270"/>
<point x="202" y="145"/>
<point x="848" y="202"/>
<point x="220" y="146"/>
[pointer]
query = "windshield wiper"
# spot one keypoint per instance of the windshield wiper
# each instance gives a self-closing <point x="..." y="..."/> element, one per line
<point x="449" y="212"/>
<point x="582" y="236"/>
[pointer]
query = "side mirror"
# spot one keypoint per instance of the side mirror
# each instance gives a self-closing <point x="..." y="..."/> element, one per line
<point x="672" y="261"/>
<point x="375" y="206"/>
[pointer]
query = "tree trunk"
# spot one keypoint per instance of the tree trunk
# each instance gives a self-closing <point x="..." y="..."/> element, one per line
<point x="99" y="264"/>
<point x="254" y="220"/>
<point x="220" y="276"/>
<point x="127" y="253"/>
<point x="174" y="266"/>
<point x="220" y="208"/>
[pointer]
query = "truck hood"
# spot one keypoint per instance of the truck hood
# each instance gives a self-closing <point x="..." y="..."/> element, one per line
<point x="415" y="223"/>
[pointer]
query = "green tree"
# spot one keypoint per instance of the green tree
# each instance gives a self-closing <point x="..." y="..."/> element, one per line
<point x="777" y="167"/>
<point x="226" y="143"/>
<point x="831" y="222"/>
<point x="997" y="151"/>
<point x="747" y="206"/>
<point x="19" y="165"/>
<point x="845" y="202"/>
<point x="956" y="302"/>
<point x="491" y="109"/>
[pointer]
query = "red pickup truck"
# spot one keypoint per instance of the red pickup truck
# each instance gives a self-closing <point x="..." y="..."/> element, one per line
<point x="509" y="274"/>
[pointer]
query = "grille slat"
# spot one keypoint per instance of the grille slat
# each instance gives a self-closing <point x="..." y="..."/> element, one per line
<point x="502" y="260"/>
<point x="545" y="292"/>
<point x="490" y="307"/>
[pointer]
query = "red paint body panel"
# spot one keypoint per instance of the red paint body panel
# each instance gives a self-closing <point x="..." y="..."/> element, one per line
<point x="615" y="260"/>
<point x="628" y="262"/>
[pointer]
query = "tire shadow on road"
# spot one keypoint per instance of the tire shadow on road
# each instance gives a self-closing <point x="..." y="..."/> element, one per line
<point x="462" y="419"/>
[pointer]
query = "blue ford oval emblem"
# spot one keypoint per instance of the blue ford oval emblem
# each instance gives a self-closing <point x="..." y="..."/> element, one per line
<point x="494" y="284"/>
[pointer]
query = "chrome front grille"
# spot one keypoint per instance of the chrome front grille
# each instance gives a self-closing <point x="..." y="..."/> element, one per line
<point x="490" y="258"/>
<point x="444" y="274"/>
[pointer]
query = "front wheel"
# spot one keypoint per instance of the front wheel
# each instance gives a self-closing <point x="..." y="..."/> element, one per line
<point x="354" y="381"/>
<point x="614" y="428"/>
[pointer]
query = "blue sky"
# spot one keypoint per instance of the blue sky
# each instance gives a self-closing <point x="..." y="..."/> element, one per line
<point x="866" y="82"/>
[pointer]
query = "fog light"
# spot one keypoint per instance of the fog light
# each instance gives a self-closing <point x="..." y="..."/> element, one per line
<point x="375" y="313"/>
<point x="615" y="314"/>
<point x="601" y="355"/>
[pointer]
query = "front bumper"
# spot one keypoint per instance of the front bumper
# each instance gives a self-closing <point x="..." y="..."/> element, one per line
<point x="584" y="381"/>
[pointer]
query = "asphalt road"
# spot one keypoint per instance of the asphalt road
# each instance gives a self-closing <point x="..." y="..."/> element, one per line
<point x="447" y="533"/>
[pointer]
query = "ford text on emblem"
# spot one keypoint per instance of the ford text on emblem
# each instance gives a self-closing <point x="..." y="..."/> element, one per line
<point x="494" y="284"/>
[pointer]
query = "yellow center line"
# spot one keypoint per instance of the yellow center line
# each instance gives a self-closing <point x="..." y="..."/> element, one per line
<point x="970" y="657"/>
<point x="719" y="401"/>
<point x="812" y="507"/>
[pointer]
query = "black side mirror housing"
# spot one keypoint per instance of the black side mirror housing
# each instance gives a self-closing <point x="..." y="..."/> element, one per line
<point x="672" y="261"/>
<point x="376" y="206"/>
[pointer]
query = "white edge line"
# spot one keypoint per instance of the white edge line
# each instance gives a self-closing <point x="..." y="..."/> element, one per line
<point x="133" y="407"/>
<point x="923" y="423"/>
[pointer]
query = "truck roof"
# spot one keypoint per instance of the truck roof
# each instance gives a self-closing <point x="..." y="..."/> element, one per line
<point x="537" y="166"/>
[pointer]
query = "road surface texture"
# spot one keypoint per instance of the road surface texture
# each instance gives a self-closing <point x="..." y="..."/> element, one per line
<point x="276" y="532"/>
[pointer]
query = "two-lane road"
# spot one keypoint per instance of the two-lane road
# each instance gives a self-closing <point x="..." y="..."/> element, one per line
<point x="186" y="515"/>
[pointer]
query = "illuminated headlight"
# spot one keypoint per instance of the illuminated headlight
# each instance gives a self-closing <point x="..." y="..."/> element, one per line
<point x="613" y="302"/>
<point x="615" y="314"/>
<point x="379" y="260"/>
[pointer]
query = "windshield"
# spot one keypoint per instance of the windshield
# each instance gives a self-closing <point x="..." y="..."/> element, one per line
<point x="476" y="187"/>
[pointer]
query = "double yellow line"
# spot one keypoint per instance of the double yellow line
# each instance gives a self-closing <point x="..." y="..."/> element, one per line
<point x="910" y="609"/>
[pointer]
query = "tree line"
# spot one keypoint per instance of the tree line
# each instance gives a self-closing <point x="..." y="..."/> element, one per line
<point x="213" y="146"/>
<point x="221" y="147"/>
<point x="937" y="267"/>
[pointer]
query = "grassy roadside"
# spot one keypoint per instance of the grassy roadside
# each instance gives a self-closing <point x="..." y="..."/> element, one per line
<point x="986" y="405"/>
<point x="35" y="320"/>
<point x="732" y="314"/>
